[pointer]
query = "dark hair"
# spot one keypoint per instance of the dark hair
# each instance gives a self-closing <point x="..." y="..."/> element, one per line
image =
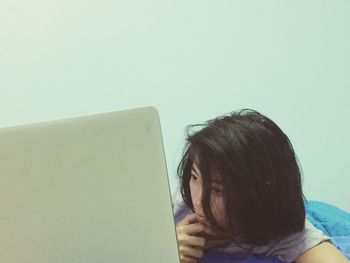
<point x="260" y="174"/>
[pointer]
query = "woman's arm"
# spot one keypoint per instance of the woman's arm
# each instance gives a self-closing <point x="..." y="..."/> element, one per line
<point x="322" y="253"/>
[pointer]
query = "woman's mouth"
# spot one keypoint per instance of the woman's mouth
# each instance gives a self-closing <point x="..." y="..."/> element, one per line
<point x="202" y="219"/>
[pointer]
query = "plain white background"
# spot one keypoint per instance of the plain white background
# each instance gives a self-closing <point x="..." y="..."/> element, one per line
<point x="193" y="60"/>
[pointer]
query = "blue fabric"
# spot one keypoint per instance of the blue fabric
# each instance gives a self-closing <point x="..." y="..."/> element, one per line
<point x="343" y="244"/>
<point x="333" y="221"/>
<point x="328" y="218"/>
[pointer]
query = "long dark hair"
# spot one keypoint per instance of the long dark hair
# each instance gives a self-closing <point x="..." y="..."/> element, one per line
<point x="260" y="173"/>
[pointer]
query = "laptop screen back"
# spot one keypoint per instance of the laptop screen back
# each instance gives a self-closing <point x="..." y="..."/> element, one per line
<point x="87" y="189"/>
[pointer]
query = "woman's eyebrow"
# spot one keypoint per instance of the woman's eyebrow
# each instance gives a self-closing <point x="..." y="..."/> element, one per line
<point x="194" y="168"/>
<point x="194" y="172"/>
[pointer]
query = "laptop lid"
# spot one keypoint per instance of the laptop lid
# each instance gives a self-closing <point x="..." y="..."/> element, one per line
<point x="86" y="189"/>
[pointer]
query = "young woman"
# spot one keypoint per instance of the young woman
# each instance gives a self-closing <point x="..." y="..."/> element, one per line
<point x="241" y="193"/>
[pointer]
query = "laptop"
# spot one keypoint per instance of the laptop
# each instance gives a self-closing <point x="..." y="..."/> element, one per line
<point x="87" y="189"/>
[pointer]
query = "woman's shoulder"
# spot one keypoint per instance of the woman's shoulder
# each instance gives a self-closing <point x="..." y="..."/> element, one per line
<point x="286" y="249"/>
<point x="292" y="246"/>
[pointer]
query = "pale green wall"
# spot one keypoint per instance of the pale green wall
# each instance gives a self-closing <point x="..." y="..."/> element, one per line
<point x="193" y="60"/>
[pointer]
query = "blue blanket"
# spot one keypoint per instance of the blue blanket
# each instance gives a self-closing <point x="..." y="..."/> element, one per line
<point x="333" y="221"/>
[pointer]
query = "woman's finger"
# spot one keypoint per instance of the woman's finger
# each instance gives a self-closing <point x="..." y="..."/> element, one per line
<point x="192" y="228"/>
<point x="189" y="219"/>
<point x="191" y="252"/>
<point x="196" y="228"/>
<point x="192" y="241"/>
<point x="185" y="259"/>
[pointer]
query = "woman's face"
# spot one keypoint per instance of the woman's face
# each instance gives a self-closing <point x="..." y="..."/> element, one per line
<point x="216" y="197"/>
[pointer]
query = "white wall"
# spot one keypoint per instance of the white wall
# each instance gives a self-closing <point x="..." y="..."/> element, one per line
<point x="193" y="60"/>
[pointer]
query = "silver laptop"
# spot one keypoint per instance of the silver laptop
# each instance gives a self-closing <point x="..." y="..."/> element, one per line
<point x="88" y="189"/>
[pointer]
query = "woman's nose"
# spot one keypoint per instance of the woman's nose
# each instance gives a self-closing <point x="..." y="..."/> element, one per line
<point x="197" y="202"/>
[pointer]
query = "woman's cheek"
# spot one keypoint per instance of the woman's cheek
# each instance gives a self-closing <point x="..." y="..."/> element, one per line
<point x="220" y="213"/>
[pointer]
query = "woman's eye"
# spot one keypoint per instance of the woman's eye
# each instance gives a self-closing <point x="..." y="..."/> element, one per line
<point x="194" y="177"/>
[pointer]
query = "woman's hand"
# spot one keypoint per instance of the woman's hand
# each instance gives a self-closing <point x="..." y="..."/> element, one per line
<point x="190" y="244"/>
